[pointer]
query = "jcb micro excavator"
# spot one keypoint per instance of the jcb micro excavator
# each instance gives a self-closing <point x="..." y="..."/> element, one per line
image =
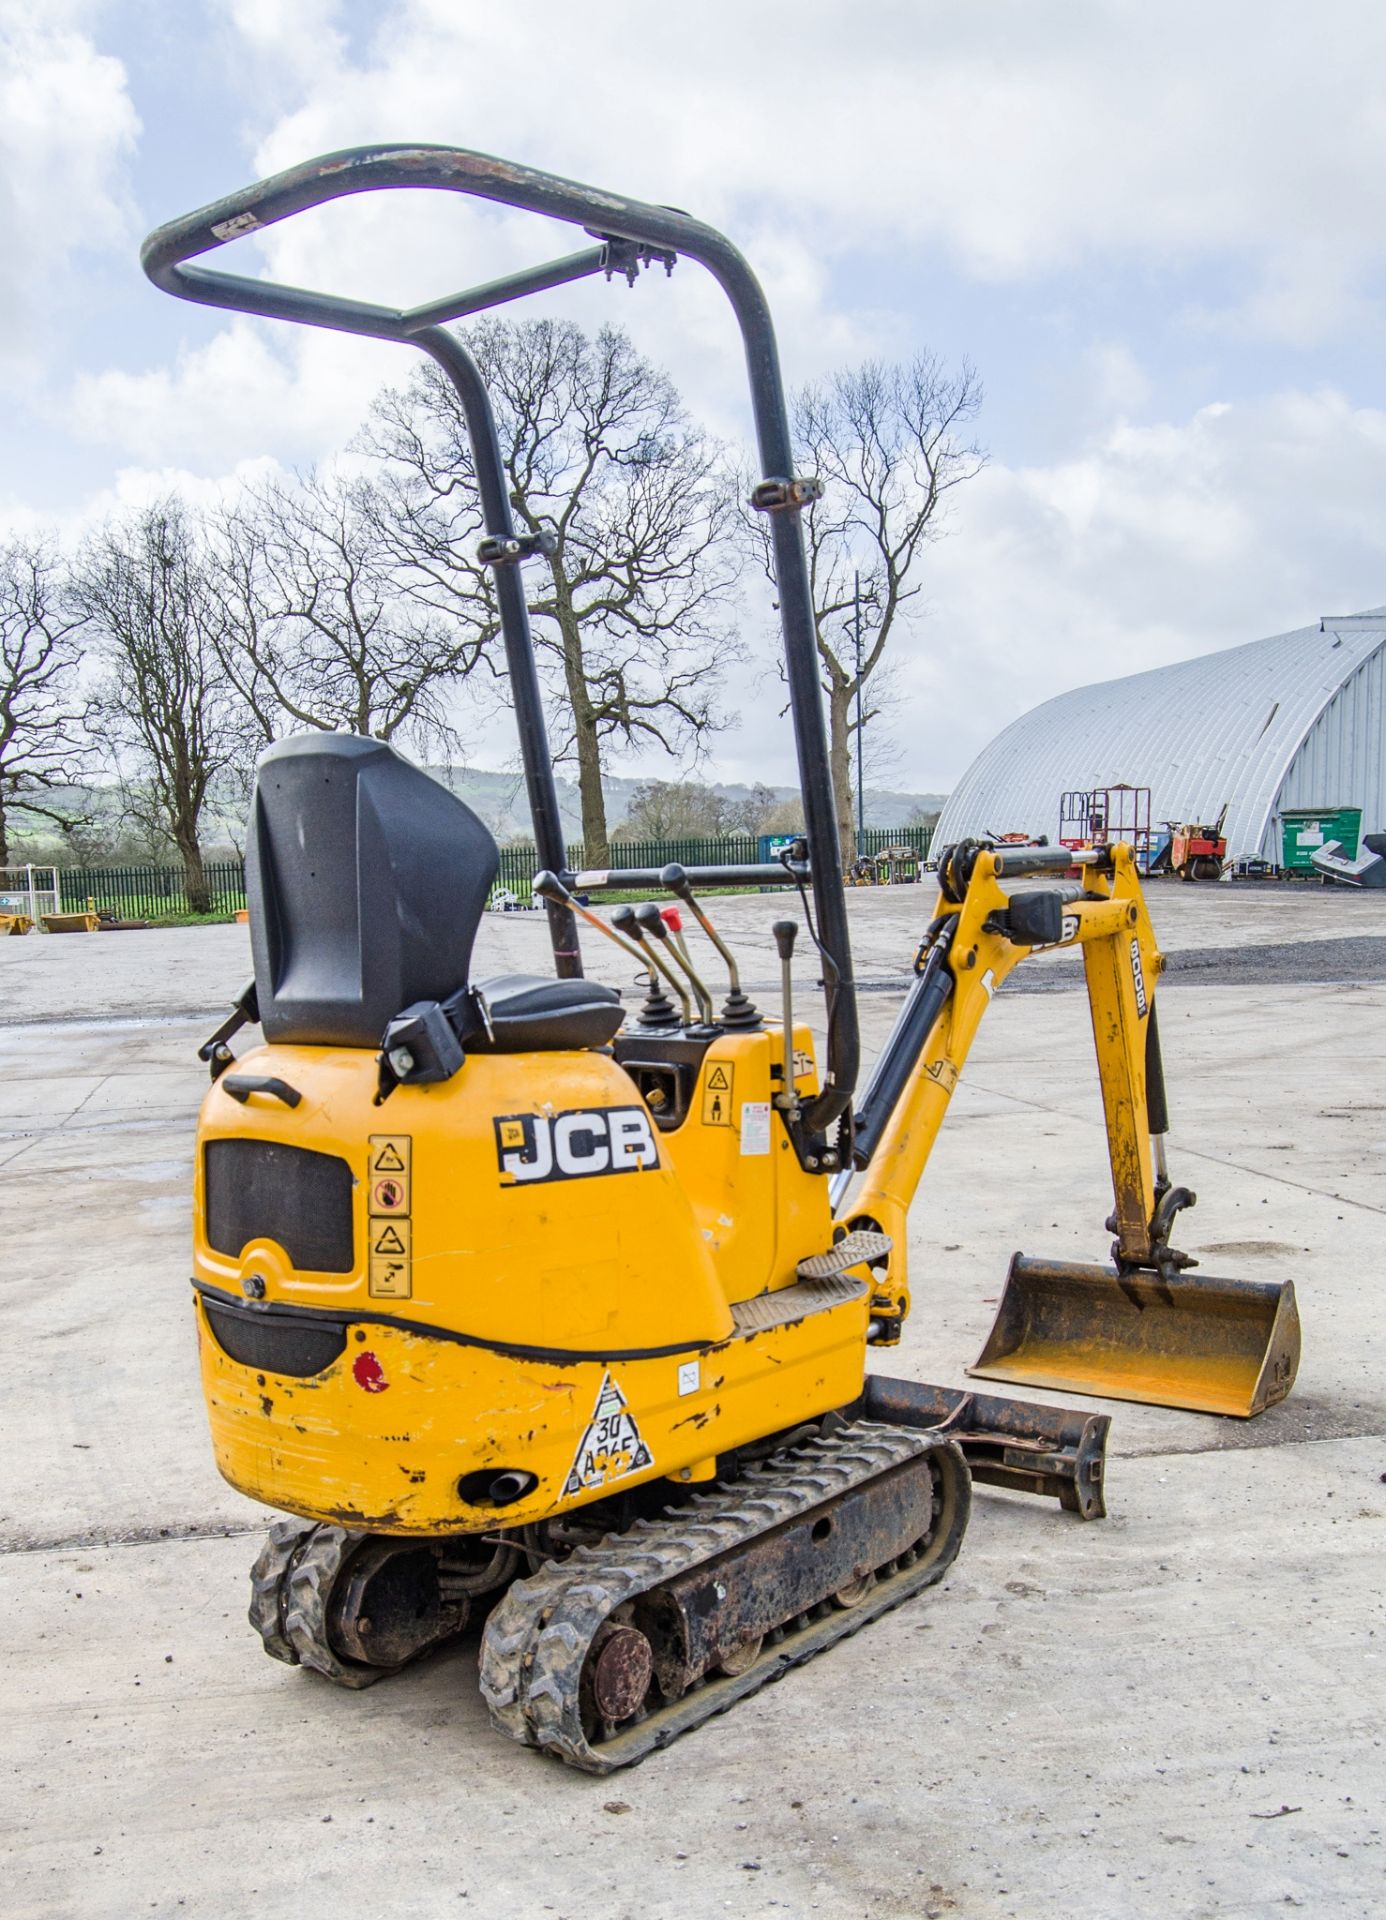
<point x="520" y="1302"/>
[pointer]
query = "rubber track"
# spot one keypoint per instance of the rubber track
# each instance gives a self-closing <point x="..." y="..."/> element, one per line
<point x="291" y="1588"/>
<point x="311" y="1580"/>
<point x="267" y="1586"/>
<point x="537" y="1638"/>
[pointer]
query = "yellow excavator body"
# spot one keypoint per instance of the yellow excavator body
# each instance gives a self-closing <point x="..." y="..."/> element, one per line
<point x="510" y="1273"/>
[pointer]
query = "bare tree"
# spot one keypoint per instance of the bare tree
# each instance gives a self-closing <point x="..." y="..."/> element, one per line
<point x="889" y="444"/>
<point x="321" y="629"/>
<point x="601" y="454"/>
<point x="42" y="750"/>
<point x="674" y="810"/>
<point x="163" y="706"/>
<point x="747" y="812"/>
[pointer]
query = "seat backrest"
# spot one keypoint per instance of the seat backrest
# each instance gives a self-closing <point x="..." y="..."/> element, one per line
<point x="366" y="882"/>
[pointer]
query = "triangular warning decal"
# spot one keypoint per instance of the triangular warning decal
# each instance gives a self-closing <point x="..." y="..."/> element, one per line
<point x="388" y="1160"/>
<point x="718" y="1079"/>
<point x="389" y="1242"/>
<point x="611" y="1448"/>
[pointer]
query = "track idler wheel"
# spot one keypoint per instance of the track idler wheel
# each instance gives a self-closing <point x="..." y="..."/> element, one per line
<point x="617" y="1675"/>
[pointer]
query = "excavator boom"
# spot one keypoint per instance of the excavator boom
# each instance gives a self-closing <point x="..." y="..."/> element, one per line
<point x="1142" y="1327"/>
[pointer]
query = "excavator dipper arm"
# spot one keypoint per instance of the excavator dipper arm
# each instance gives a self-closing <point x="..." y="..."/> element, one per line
<point x="1142" y="1328"/>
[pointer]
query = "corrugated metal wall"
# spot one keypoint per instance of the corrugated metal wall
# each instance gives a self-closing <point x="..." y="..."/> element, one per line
<point x="1343" y="761"/>
<point x="1224" y="728"/>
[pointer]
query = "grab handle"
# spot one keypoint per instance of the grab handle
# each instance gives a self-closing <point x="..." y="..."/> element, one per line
<point x="240" y="1086"/>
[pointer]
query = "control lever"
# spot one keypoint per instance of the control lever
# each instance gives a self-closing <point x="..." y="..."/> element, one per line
<point x="656" y="927"/>
<point x="658" y="1010"/>
<point x="624" y="918"/>
<point x="673" y="920"/>
<point x="737" y="1010"/>
<point x="786" y="932"/>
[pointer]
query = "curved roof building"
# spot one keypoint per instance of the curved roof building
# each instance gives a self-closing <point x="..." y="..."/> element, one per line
<point x="1298" y="720"/>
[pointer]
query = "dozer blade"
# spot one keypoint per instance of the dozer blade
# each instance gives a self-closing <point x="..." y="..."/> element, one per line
<point x="1214" y="1346"/>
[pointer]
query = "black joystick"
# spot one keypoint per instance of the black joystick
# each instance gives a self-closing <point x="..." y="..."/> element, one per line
<point x="656" y="927"/>
<point x="657" y="1009"/>
<point x="737" y="1010"/>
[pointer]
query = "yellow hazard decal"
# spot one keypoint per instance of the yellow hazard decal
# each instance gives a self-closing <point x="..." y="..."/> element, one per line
<point x="611" y="1447"/>
<point x="389" y="1170"/>
<point x="717" y="1094"/>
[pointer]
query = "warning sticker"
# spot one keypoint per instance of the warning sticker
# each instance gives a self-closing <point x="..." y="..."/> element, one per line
<point x="390" y="1236"/>
<point x="755" y="1126"/>
<point x="943" y="1073"/>
<point x="390" y="1153"/>
<point x="390" y="1248"/>
<point x="389" y="1279"/>
<point x="388" y="1166"/>
<point x="611" y="1448"/>
<point x="717" y="1095"/>
<point x="389" y="1195"/>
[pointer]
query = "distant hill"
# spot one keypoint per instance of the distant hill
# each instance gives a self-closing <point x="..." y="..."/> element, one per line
<point x="499" y="798"/>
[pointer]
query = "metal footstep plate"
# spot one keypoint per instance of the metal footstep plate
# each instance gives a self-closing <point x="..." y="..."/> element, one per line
<point x="849" y="1252"/>
<point x="788" y="1304"/>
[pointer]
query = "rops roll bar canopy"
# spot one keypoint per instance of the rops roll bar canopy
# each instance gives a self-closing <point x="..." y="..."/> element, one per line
<point x="631" y="235"/>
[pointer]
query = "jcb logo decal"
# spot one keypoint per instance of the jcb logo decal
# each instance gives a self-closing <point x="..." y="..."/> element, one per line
<point x="572" y="1146"/>
<point x="1138" y="975"/>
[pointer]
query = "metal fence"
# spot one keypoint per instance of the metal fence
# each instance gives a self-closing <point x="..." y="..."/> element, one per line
<point x="151" y="893"/>
<point x="157" y="892"/>
<point x="518" y="864"/>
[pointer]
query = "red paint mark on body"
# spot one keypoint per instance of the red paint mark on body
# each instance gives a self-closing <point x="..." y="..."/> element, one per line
<point x="367" y="1372"/>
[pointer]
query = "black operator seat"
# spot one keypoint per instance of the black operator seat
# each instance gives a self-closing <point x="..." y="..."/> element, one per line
<point x="366" y="881"/>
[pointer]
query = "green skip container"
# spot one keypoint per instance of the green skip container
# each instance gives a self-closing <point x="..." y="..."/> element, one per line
<point x="1303" y="830"/>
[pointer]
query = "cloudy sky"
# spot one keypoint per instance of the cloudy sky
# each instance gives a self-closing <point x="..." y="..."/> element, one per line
<point x="1158" y="233"/>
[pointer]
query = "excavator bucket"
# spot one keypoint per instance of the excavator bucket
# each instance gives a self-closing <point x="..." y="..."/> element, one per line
<point x="1215" y="1346"/>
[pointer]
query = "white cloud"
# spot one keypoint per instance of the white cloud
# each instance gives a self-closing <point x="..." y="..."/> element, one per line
<point x="248" y="391"/>
<point x="67" y="130"/>
<point x="129" y="490"/>
<point x="1022" y="144"/>
<point x="1069" y="129"/>
<point x="296" y="45"/>
<point x="1152" y="544"/>
<point x="1087" y="132"/>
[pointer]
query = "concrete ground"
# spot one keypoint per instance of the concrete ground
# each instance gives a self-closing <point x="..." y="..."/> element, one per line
<point x="1175" y="1711"/>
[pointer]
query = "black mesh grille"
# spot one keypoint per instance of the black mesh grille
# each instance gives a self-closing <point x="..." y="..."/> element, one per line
<point x="264" y="1190"/>
<point x="298" y="1348"/>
